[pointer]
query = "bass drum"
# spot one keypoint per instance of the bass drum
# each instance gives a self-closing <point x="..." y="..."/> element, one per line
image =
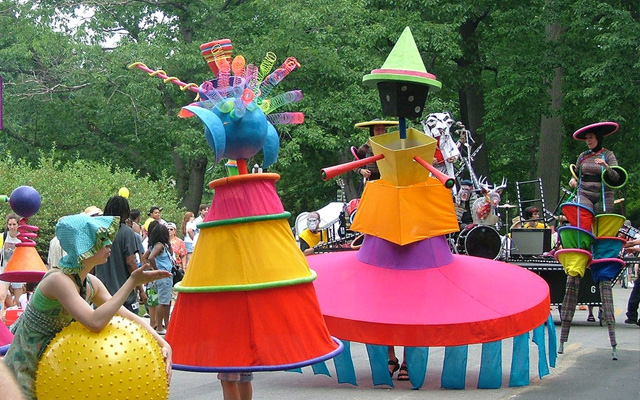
<point x="479" y="241"/>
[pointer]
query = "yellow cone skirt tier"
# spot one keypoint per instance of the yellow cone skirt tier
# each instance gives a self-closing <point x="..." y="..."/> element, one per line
<point x="607" y="224"/>
<point x="247" y="302"/>
<point x="574" y="261"/>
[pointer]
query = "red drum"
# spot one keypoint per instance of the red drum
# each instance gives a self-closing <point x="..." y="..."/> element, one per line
<point x="479" y="241"/>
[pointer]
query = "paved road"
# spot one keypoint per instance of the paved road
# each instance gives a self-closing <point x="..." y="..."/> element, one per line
<point x="585" y="371"/>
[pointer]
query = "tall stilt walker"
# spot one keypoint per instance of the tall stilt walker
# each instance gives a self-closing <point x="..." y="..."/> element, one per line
<point x="590" y="241"/>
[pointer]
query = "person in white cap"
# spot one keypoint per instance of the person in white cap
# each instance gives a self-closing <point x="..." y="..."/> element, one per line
<point x="93" y="211"/>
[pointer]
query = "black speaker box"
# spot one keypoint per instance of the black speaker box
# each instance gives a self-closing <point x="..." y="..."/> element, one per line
<point x="530" y="241"/>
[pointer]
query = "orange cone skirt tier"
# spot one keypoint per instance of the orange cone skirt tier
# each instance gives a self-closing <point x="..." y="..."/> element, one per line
<point x="25" y="264"/>
<point x="247" y="301"/>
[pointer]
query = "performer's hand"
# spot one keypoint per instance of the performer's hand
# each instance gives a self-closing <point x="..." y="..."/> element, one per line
<point x="145" y="274"/>
<point x="630" y="243"/>
<point x="573" y="183"/>
<point x="602" y="163"/>
<point x="167" y="354"/>
<point x="365" y="172"/>
<point x="451" y="159"/>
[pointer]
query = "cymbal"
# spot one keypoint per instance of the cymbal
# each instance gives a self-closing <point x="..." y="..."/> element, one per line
<point x="507" y="206"/>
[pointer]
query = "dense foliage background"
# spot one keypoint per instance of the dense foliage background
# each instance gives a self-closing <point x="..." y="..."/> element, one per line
<point x="70" y="187"/>
<point x="522" y="75"/>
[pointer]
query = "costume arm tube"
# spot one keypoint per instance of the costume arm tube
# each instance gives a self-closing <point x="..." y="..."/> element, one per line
<point x="446" y="180"/>
<point x="330" y="172"/>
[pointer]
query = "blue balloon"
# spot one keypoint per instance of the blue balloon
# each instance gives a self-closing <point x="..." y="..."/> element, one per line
<point x="271" y="147"/>
<point x="238" y="137"/>
<point x="25" y="201"/>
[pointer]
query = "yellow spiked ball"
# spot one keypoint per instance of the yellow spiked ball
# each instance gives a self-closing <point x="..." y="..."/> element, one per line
<point x="123" y="361"/>
<point x="124" y="192"/>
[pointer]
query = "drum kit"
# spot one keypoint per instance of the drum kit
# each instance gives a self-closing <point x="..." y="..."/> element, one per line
<point x="479" y="241"/>
<point x="484" y="241"/>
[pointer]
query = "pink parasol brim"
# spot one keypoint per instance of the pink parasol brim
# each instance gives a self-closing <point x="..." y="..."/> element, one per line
<point x="470" y="300"/>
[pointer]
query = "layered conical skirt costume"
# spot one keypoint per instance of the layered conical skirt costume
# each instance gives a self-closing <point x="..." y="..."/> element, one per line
<point x="247" y="301"/>
<point x="404" y="287"/>
<point x="589" y="242"/>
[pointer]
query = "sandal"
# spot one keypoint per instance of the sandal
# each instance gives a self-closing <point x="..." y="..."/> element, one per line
<point x="591" y="318"/>
<point x="396" y="366"/>
<point x="403" y="375"/>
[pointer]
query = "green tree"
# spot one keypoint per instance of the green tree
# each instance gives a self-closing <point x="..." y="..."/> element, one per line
<point x="81" y="96"/>
<point x="501" y="74"/>
<point x="68" y="188"/>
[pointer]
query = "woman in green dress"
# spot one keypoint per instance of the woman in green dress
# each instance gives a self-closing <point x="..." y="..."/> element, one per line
<point x="69" y="293"/>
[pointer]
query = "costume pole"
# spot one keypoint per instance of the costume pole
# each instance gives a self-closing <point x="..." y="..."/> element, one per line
<point x="604" y="202"/>
<point x="242" y="166"/>
<point x="402" y="127"/>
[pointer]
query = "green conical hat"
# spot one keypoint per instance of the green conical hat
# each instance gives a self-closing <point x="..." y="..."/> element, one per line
<point x="405" y="54"/>
<point x="403" y="64"/>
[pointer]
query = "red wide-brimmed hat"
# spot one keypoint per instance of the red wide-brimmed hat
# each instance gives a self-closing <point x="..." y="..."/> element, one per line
<point x="600" y="129"/>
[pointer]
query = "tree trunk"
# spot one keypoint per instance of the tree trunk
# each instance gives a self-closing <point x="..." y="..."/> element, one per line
<point x="193" y="195"/>
<point x="182" y="175"/>
<point x="189" y="181"/>
<point x="550" y="155"/>
<point x="472" y="118"/>
<point x="470" y="95"/>
<point x="550" y="151"/>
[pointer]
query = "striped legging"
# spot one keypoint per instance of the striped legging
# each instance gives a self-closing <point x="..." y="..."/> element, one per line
<point x="569" y="308"/>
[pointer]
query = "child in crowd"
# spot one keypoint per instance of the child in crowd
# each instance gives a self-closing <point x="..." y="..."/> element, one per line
<point x="236" y="385"/>
<point x="158" y="255"/>
<point x="26" y="296"/>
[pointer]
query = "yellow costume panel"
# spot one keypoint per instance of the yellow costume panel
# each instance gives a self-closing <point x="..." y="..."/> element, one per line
<point x="397" y="167"/>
